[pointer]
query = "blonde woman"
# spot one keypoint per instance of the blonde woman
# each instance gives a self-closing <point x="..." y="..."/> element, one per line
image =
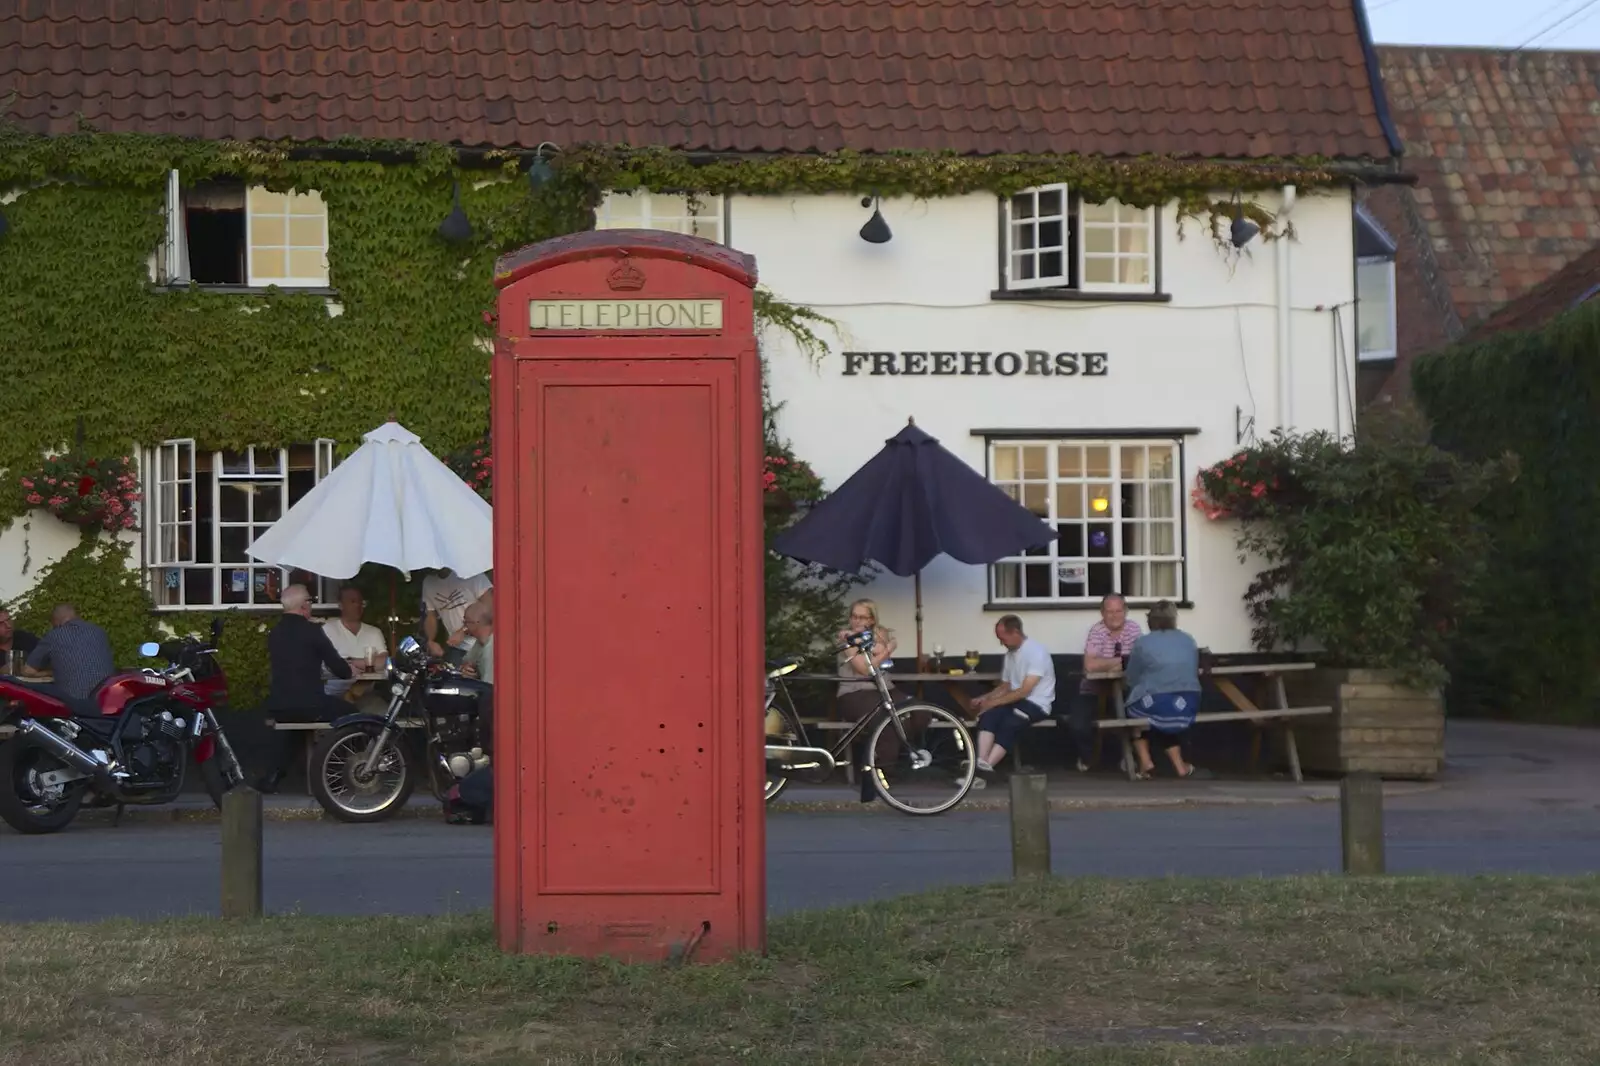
<point x="858" y="694"/>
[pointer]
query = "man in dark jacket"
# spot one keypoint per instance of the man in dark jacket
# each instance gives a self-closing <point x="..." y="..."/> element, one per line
<point x="298" y="648"/>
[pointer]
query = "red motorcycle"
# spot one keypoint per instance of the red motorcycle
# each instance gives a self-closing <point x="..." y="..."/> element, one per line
<point x="131" y="741"/>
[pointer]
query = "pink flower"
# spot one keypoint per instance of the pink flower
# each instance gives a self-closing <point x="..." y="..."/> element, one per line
<point x="57" y="501"/>
<point x="1258" y="490"/>
<point x="35" y="498"/>
<point x="27" y="484"/>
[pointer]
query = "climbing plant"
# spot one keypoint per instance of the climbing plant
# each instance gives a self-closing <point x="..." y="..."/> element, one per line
<point x="404" y="331"/>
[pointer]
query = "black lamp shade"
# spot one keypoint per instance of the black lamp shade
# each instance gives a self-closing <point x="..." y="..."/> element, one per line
<point x="1242" y="231"/>
<point x="876" y="231"/>
<point x="539" y="174"/>
<point x="456" y="228"/>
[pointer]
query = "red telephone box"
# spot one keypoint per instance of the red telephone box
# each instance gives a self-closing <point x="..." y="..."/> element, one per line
<point x="629" y="592"/>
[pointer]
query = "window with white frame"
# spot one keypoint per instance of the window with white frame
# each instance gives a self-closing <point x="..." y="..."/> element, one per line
<point x="672" y="212"/>
<point x="1055" y="240"/>
<point x="1115" y="509"/>
<point x="227" y="233"/>
<point x="205" y="509"/>
<point x="1375" y="309"/>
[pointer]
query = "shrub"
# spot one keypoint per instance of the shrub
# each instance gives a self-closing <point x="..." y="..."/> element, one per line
<point x="1369" y="547"/>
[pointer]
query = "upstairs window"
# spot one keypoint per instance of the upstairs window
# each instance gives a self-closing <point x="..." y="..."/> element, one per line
<point x="671" y="212"/>
<point x="1055" y="240"/>
<point x="223" y="233"/>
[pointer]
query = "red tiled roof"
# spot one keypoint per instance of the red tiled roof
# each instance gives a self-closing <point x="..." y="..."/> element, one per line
<point x="1558" y="293"/>
<point x="1220" y="78"/>
<point x="1506" y="149"/>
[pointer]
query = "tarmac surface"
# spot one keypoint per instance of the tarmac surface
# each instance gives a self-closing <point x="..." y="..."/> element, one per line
<point x="1513" y="799"/>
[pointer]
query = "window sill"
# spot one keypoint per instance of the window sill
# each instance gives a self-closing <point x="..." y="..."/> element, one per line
<point x="1022" y="607"/>
<point x="1080" y="296"/>
<point x="1369" y="358"/>
<point x="249" y="290"/>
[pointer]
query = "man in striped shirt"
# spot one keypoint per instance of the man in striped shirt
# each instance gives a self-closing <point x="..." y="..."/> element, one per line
<point x="1110" y="641"/>
<point x="76" y="652"/>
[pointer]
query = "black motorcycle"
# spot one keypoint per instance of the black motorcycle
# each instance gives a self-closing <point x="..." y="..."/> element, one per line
<point x="366" y="766"/>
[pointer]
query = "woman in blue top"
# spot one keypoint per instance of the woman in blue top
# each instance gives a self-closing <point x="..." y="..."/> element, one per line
<point x="1163" y="678"/>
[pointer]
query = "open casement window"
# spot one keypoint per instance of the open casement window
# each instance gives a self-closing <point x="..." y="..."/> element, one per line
<point x="672" y="212"/>
<point x="1375" y="309"/>
<point x="1054" y="240"/>
<point x="207" y="508"/>
<point x="225" y="233"/>
<point x="1115" y="509"/>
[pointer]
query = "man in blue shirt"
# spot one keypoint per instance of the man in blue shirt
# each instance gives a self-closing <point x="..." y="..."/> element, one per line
<point x="76" y="652"/>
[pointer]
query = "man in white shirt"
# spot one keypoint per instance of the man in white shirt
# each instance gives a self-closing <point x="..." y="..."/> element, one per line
<point x="1026" y="690"/>
<point x="446" y="597"/>
<point x="353" y="639"/>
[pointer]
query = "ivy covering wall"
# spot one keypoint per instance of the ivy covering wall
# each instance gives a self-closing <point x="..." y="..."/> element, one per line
<point x="1533" y="648"/>
<point x="90" y="343"/>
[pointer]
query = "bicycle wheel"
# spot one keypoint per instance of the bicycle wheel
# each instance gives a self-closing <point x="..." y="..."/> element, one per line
<point x="782" y="728"/>
<point x="936" y="773"/>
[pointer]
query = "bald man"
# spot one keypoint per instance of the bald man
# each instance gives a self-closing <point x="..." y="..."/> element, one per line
<point x="298" y="649"/>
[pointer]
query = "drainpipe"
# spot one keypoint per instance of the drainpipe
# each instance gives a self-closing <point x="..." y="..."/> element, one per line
<point x="1285" y="361"/>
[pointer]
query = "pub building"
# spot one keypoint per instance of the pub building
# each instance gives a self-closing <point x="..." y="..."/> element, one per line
<point x="1089" y="357"/>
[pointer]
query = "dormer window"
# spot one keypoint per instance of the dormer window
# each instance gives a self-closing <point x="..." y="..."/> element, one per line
<point x="1376" y="322"/>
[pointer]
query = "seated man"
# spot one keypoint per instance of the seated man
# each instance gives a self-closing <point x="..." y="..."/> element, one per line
<point x="76" y="652"/>
<point x="298" y="649"/>
<point x="356" y="641"/>
<point x="471" y="798"/>
<point x="1026" y="690"/>
<point x="15" y="644"/>
<point x="445" y="599"/>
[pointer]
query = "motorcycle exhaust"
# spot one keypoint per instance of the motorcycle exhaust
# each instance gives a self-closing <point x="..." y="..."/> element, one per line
<point x="68" y="752"/>
<point x="792" y="758"/>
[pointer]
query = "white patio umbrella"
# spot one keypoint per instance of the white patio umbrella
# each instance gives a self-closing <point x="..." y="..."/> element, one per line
<point x="392" y="502"/>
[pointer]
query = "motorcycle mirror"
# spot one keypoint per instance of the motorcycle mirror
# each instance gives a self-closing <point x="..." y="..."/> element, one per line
<point x="149" y="649"/>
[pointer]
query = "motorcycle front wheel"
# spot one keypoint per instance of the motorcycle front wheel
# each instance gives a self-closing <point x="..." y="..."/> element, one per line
<point x="26" y="804"/>
<point x="342" y="786"/>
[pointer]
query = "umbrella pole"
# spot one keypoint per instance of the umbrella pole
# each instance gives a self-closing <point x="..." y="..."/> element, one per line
<point x="917" y="584"/>
<point x="394" y="613"/>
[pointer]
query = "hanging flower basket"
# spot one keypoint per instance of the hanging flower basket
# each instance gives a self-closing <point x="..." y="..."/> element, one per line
<point x="86" y="491"/>
<point x="1243" y="486"/>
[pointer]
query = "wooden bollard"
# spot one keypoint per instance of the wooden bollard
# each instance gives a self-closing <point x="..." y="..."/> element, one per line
<point x="1361" y="823"/>
<point x="241" y="853"/>
<point x="1030" y="826"/>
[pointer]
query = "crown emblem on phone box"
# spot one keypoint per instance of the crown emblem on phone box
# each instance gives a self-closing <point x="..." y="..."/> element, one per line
<point x="626" y="277"/>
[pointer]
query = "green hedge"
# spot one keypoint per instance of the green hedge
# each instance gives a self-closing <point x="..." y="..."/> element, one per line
<point x="1532" y="649"/>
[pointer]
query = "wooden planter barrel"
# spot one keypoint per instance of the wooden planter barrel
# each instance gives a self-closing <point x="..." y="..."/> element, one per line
<point x="1379" y="725"/>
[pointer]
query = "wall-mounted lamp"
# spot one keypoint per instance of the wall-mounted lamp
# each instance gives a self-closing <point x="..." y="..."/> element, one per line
<point x="876" y="231"/>
<point x="539" y="172"/>
<point x="1243" y="231"/>
<point x="456" y="228"/>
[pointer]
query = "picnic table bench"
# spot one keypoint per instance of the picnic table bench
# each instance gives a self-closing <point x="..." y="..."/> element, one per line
<point x="1281" y="715"/>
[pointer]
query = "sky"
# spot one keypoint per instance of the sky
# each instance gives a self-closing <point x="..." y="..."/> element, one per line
<point x="1534" y="24"/>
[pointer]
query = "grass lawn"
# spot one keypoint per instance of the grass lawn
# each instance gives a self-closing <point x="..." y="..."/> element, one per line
<point x="1089" y="972"/>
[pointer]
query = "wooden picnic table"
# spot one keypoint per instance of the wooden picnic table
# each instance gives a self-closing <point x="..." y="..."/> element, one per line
<point x="1246" y="709"/>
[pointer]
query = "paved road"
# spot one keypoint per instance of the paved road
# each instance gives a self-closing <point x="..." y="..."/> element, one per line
<point x="424" y="867"/>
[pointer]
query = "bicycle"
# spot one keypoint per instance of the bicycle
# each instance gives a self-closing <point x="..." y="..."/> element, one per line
<point x="934" y="762"/>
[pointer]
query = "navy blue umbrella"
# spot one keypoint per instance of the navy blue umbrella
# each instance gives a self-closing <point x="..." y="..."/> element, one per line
<point x="911" y="502"/>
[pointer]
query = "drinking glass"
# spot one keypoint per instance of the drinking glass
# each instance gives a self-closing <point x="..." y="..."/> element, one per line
<point x="938" y="658"/>
<point x="972" y="659"/>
